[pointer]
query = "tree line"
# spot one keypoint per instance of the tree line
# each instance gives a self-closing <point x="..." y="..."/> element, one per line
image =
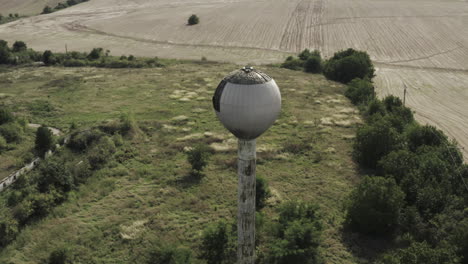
<point x="20" y="54"/>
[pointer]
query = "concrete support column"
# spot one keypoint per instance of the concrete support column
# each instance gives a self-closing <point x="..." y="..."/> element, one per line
<point x="246" y="202"/>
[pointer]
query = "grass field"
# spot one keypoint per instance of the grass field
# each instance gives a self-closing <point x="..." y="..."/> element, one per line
<point x="422" y="43"/>
<point x="127" y="206"/>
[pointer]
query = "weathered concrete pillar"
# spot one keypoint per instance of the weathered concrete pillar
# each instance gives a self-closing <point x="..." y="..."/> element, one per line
<point x="246" y="202"/>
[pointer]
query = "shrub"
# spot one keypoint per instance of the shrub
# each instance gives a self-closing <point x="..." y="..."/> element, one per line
<point x="360" y="91"/>
<point x="193" y="20"/>
<point x="81" y="140"/>
<point x="347" y="65"/>
<point x="95" y="54"/>
<point x="425" y="136"/>
<point x="59" y="256"/>
<point x="216" y="244"/>
<point x="374" y="206"/>
<point x="5" y="55"/>
<point x="398" y="164"/>
<point x="54" y="173"/>
<point x="293" y="64"/>
<point x="170" y="255"/>
<point x="298" y="234"/>
<point x="5" y="115"/>
<point x="19" y="46"/>
<point x="12" y="132"/>
<point x="8" y="227"/>
<point x="313" y="64"/>
<point x="101" y="152"/>
<point x="420" y="253"/>
<point x="44" y="140"/>
<point x="47" y="10"/>
<point x="374" y="141"/>
<point x="262" y="192"/>
<point x="198" y="158"/>
<point x="74" y="63"/>
<point x="3" y="144"/>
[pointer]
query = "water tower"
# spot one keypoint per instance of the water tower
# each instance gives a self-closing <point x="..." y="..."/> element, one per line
<point x="247" y="102"/>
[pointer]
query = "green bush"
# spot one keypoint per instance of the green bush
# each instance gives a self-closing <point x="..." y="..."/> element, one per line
<point x="74" y="63"/>
<point x="360" y="91"/>
<point x="59" y="256"/>
<point x="347" y="65"/>
<point x="3" y="144"/>
<point x="19" y="46"/>
<point x="47" y="10"/>
<point x="217" y="244"/>
<point x="193" y="20"/>
<point x="170" y="255"/>
<point x="12" y="132"/>
<point x="198" y="158"/>
<point x="44" y="140"/>
<point x="262" y="193"/>
<point x="5" y="55"/>
<point x="425" y="136"/>
<point x="420" y="253"/>
<point x="398" y="164"/>
<point x="48" y="57"/>
<point x="298" y="234"/>
<point x="101" y="152"/>
<point x="293" y="64"/>
<point x="81" y="140"/>
<point x="313" y="64"/>
<point x="53" y="173"/>
<point x="374" y="141"/>
<point x="6" y="115"/>
<point x="95" y="54"/>
<point x="374" y="206"/>
<point x="8" y="227"/>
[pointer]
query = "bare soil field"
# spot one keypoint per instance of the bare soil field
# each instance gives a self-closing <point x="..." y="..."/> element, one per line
<point x="423" y="43"/>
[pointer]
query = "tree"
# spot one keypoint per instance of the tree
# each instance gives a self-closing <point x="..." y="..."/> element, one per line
<point x="374" y="206"/>
<point x="347" y="65"/>
<point x="262" y="193"/>
<point x="215" y="246"/>
<point x="193" y="20"/>
<point x="47" y="10"/>
<point x="19" y="46"/>
<point x="44" y="140"/>
<point x="313" y="64"/>
<point x="198" y="158"/>
<point x="5" y="55"/>
<point x="48" y="57"/>
<point x="374" y="141"/>
<point x="360" y="91"/>
<point x="101" y="152"/>
<point x="95" y="54"/>
<point x="16" y="15"/>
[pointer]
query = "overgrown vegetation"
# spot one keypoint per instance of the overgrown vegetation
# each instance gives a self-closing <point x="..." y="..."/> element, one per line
<point x="10" y="18"/>
<point x="62" y="5"/>
<point x="19" y="54"/>
<point x="417" y="190"/>
<point x="34" y="195"/>
<point x="307" y="61"/>
<point x="11" y="129"/>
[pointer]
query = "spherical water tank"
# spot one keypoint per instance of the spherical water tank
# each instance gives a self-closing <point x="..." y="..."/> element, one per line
<point x="247" y="102"/>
